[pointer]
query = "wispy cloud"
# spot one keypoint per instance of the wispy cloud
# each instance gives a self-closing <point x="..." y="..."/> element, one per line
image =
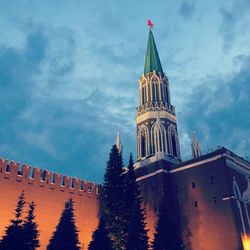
<point x="219" y="111"/>
<point x="186" y="9"/>
<point x="235" y="19"/>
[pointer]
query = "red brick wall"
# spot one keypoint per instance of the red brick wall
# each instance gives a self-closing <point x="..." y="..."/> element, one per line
<point x="49" y="198"/>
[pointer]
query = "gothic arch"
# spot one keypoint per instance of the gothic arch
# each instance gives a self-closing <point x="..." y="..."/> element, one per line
<point x="158" y="137"/>
<point x="173" y="141"/>
<point x="155" y="85"/>
<point x="242" y="208"/>
<point x="143" y="141"/>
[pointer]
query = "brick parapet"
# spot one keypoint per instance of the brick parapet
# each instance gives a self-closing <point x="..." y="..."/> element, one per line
<point x="46" y="179"/>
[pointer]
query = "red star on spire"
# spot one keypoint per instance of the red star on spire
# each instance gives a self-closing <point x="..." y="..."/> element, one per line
<point x="150" y="24"/>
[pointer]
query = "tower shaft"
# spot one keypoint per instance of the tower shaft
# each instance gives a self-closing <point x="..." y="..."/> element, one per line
<point x="155" y="119"/>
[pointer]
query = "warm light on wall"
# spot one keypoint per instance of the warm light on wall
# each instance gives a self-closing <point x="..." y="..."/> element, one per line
<point x="246" y="242"/>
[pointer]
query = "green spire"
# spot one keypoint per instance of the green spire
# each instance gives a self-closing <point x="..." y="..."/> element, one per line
<point x="152" y="62"/>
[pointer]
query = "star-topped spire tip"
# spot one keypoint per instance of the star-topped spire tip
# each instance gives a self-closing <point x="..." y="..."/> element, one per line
<point x="150" y="24"/>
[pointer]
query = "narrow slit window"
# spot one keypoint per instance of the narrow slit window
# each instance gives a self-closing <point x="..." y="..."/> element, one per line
<point x="193" y="185"/>
<point x="196" y="203"/>
<point x="211" y="180"/>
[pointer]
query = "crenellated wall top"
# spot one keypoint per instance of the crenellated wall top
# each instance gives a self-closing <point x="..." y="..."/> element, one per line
<point x="44" y="178"/>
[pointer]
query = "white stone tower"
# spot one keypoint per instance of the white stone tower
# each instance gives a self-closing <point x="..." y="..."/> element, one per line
<point x="157" y="136"/>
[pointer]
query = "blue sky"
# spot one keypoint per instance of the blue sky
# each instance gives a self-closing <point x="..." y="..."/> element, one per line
<point x="69" y="75"/>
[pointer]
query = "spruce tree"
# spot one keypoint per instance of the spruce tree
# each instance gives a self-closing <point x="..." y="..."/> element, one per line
<point x="100" y="239"/>
<point x="66" y="235"/>
<point x="13" y="238"/>
<point x="167" y="236"/>
<point x="113" y="202"/>
<point x="137" y="238"/>
<point x="30" y="231"/>
<point x="137" y="235"/>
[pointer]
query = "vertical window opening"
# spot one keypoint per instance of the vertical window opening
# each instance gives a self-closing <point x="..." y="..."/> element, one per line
<point x="143" y="145"/>
<point x="162" y="94"/>
<point x="152" y="145"/>
<point x="196" y="203"/>
<point x="211" y="180"/>
<point x="153" y="92"/>
<point x="193" y="185"/>
<point x="165" y="93"/>
<point x="160" y="142"/>
<point x="157" y="92"/>
<point x="174" y="145"/>
<point x="142" y="92"/>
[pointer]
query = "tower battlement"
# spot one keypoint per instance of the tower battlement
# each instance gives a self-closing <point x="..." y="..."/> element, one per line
<point x="35" y="176"/>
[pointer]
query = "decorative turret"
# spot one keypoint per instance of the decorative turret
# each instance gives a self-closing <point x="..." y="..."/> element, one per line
<point x="196" y="149"/>
<point x="118" y="142"/>
<point x="156" y="121"/>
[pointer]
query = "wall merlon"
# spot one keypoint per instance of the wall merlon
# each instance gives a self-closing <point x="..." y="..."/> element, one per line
<point x="47" y="176"/>
<point x="14" y="168"/>
<point x="75" y="183"/>
<point x="25" y="170"/>
<point x="57" y="179"/>
<point x="3" y="165"/>
<point x="37" y="174"/>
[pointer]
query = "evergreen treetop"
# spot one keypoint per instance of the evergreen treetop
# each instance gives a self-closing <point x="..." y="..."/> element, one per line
<point x="113" y="202"/>
<point x="30" y="231"/>
<point x="19" y="210"/>
<point x="66" y="235"/>
<point x="13" y="238"/>
<point x="100" y="239"/>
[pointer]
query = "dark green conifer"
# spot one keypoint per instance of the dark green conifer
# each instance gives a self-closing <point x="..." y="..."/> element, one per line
<point x="137" y="234"/>
<point x="100" y="239"/>
<point x="113" y="202"/>
<point x="137" y="238"/>
<point x="30" y="231"/>
<point x="13" y="238"/>
<point x="167" y="236"/>
<point x="66" y="235"/>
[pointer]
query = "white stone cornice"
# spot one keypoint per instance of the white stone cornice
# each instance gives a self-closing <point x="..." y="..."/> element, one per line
<point x="154" y="115"/>
<point x="238" y="166"/>
<point x="231" y="162"/>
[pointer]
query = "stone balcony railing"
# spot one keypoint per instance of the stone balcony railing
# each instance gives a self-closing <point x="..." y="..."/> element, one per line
<point x="155" y="106"/>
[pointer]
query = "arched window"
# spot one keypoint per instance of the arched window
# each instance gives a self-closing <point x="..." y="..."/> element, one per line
<point x="158" y="137"/>
<point x="143" y="140"/>
<point x="162" y="92"/>
<point x="145" y="94"/>
<point x="153" y="92"/>
<point x="165" y="93"/>
<point x="173" y="145"/>
<point x="157" y="92"/>
<point x="143" y="145"/>
<point x="142" y="95"/>
<point x="242" y="211"/>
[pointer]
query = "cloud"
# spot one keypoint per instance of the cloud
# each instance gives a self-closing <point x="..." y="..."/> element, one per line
<point x="219" y="111"/>
<point x="234" y="19"/>
<point x="18" y="67"/>
<point x="186" y="9"/>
